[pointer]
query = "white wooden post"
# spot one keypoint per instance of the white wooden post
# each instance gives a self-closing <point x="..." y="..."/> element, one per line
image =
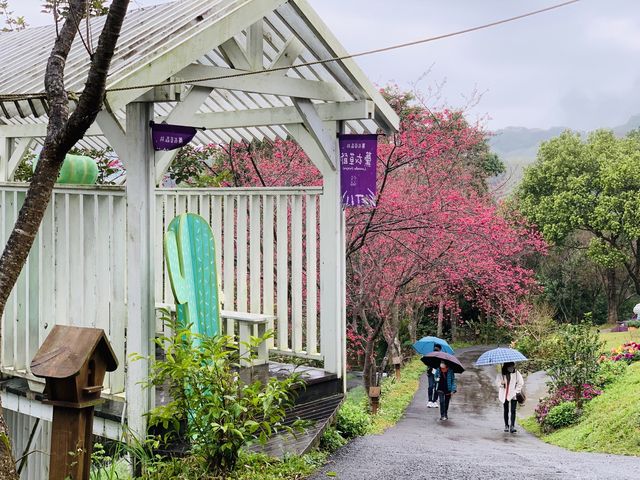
<point x="5" y="154"/>
<point x="332" y="243"/>
<point x="332" y="281"/>
<point x="140" y="190"/>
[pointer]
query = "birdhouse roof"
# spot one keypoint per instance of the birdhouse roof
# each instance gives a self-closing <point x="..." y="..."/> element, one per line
<point x="68" y="348"/>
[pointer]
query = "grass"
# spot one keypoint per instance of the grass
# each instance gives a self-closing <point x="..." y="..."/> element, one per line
<point x="461" y="344"/>
<point x="290" y="468"/>
<point x="531" y="425"/>
<point x="610" y="423"/>
<point x="615" y="339"/>
<point x="397" y="395"/>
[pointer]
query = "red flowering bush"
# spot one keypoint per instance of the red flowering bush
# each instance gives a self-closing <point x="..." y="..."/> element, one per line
<point x="629" y="352"/>
<point x="563" y="394"/>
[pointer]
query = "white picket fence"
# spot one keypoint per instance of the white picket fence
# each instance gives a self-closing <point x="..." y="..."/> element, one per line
<point x="267" y="258"/>
<point x="75" y="274"/>
<point x="266" y="252"/>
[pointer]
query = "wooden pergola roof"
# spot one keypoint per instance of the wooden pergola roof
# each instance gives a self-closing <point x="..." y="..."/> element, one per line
<point x="194" y="39"/>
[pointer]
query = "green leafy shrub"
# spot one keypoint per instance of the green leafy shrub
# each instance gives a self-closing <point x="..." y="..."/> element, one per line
<point x="332" y="440"/>
<point x="574" y="357"/>
<point x="534" y="338"/>
<point x="353" y="420"/>
<point x="609" y="372"/>
<point x="561" y="416"/>
<point x="211" y="408"/>
<point x="633" y="323"/>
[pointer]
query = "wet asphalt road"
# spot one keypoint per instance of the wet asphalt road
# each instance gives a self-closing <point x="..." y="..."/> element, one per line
<point x="470" y="445"/>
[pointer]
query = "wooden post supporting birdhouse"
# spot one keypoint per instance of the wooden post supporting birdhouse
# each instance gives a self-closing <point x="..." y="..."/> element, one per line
<point x="397" y="363"/>
<point x="73" y="362"/>
<point x="374" y="397"/>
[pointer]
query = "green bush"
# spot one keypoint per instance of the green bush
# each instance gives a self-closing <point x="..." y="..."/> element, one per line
<point x="353" y="420"/>
<point x="574" y="358"/>
<point x="609" y="372"/>
<point x="633" y="323"/>
<point x="211" y="409"/>
<point x="534" y="338"/>
<point x="332" y="440"/>
<point x="561" y="416"/>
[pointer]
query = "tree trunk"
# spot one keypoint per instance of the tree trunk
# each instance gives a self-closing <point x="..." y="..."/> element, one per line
<point x="413" y="324"/>
<point x="369" y="357"/>
<point x="63" y="131"/>
<point x="390" y="332"/>
<point x="454" y="325"/>
<point x="611" y="285"/>
<point x="440" y="318"/>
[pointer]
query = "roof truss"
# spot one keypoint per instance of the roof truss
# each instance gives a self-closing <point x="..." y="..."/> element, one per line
<point x="224" y="61"/>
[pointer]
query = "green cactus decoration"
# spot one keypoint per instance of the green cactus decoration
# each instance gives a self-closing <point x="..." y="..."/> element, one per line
<point x="189" y="251"/>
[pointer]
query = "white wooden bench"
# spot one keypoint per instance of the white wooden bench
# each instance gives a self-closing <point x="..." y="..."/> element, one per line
<point x="246" y="323"/>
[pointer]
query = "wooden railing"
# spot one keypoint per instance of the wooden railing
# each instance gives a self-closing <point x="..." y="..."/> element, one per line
<point x="266" y="253"/>
<point x="267" y="258"/>
<point x="75" y="274"/>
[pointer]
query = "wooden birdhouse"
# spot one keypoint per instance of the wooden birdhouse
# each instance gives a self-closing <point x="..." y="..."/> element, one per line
<point x="73" y="362"/>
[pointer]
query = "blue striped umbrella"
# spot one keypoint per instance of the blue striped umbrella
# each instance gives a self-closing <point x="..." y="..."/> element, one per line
<point x="500" y="355"/>
<point x="426" y="345"/>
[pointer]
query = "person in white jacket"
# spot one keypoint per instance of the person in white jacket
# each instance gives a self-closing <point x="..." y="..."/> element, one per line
<point x="510" y="383"/>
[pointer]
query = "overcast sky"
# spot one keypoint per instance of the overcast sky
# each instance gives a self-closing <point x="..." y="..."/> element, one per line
<point x="577" y="66"/>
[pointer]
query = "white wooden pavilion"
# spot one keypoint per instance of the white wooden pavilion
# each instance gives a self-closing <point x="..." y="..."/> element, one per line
<point x="98" y="258"/>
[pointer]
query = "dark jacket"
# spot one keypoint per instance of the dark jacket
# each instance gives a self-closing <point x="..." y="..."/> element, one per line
<point x="451" y="380"/>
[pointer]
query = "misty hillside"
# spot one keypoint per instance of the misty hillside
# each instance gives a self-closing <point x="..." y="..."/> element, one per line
<point x="517" y="147"/>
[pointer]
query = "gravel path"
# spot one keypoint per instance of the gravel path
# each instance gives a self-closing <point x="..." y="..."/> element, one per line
<point x="470" y="445"/>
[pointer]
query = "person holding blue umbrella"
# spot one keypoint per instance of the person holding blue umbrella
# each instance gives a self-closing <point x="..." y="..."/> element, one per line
<point x="427" y="345"/>
<point x="509" y="382"/>
<point x="431" y="392"/>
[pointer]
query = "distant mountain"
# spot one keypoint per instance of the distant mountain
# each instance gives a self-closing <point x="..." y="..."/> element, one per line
<point x="517" y="147"/>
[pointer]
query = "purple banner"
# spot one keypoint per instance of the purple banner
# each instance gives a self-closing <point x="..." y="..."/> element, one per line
<point x="358" y="155"/>
<point x="170" y="137"/>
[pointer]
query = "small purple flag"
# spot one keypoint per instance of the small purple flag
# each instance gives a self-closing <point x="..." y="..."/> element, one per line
<point x="170" y="137"/>
<point x="358" y="155"/>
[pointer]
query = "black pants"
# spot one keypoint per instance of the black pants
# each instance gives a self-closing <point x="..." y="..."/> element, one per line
<point x="513" y="403"/>
<point x="431" y="393"/>
<point x="444" y="398"/>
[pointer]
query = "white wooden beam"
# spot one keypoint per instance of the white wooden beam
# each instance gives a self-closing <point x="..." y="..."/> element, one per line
<point x="307" y="24"/>
<point x="213" y="30"/>
<point x="359" y="110"/>
<point x="18" y="153"/>
<point x="36" y="130"/>
<point x="113" y="131"/>
<point x="288" y="55"/>
<point x="140" y="191"/>
<point x="303" y="138"/>
<point x="235" y="54"/>
<point x="325" y="138"/>
<point x="36" y="409"/>
<point x="255" y="46"/>
<point x="268" y="83"/>
<point x="183" y="113"/>
<point x="5" y="154"/>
